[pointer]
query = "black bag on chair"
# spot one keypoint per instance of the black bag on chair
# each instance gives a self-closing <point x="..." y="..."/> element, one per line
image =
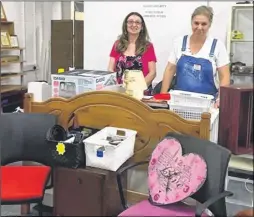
<point x="66" y="154"/>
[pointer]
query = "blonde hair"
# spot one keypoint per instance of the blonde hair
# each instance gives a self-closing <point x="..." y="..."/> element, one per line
<point x="203" y="10"/>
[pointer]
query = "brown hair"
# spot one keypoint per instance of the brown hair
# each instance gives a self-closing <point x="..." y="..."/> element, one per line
<point x="143" y="38"/>
<point x="203" y="10"/>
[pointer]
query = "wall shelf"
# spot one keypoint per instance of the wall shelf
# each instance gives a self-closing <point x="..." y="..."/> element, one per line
<point x="11" y="48"/>
<point x="238" y="40"/>
<point x="11" y="75"/>
<point x="241" y="19"/>
<point x="9" y="88"/>
<point x="11" y="62"/>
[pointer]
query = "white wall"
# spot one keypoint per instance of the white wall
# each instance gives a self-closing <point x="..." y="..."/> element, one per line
<point x="102" y="25"/>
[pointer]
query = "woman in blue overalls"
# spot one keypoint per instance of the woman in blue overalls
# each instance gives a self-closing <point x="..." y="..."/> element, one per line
<point x="200" y="62"/>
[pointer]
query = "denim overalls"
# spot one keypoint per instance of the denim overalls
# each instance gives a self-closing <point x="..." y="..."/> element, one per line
<point x="195" y="74"/>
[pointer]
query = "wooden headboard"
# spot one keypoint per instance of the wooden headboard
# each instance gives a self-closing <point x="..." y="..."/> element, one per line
<point x="106" y="108"/>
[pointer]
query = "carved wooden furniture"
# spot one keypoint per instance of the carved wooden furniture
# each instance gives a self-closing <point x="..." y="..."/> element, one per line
<point x="236" y="117"/>
<point x="105" y="108"/>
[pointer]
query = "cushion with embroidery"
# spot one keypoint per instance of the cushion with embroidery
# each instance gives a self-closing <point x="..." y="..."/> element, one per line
<point x="172" y="176"/>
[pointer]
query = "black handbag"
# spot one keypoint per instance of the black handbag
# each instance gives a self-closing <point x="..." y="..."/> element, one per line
<point x="63" y="154"/>
<point x="71" y="155"/>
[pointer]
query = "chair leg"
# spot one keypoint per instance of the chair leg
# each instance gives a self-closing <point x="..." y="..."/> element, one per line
<point x="25" y="209"/>
<point x="40" y="211"/>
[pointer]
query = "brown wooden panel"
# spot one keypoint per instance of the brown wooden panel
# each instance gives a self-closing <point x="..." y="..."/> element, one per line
<point x="61" y="55"/>
<point x="61" y="44"/>
<point x="78" y="195"/>
<point x="61" y="30"/>
<point x="93" y="192"/>
<point x="78" y="43"/>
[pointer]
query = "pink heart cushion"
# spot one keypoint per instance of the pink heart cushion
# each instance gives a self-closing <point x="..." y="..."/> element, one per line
<point x="173" y="177"/>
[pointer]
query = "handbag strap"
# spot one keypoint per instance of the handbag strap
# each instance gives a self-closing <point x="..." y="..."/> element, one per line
<point x="75" y="123"/>
<point x="77" y="127"/>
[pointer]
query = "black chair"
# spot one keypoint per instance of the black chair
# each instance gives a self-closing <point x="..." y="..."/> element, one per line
<point x="157" y="88"/>
<point x="23" y="138"/>
<point x="211" y="195"/>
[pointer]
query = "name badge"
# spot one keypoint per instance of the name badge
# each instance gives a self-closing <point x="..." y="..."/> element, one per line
<point x="197" y="67"/>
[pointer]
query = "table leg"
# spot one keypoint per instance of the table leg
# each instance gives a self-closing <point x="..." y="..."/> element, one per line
<point x="25" y="209"/>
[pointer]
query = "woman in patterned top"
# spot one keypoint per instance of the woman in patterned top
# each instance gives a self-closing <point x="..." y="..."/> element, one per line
<point x="134" y="51"/>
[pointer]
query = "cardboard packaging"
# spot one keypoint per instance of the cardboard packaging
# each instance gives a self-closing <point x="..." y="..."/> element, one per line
<point x="134" y="83"/>
<point x="72" y="83"/>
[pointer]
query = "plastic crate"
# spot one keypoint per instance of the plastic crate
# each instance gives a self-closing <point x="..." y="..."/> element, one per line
<point x="185" y="98"/>
<point x="194" y="113"/>
<point x="188" y="112"/>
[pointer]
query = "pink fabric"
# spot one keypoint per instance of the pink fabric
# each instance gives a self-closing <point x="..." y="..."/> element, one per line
<point x="144" y="208"/>
<point x="173" y="177"/>
<point x="148" y="56"/>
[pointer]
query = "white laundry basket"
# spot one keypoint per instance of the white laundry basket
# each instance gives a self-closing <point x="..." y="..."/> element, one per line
<point x="190" y="106"/>
<point x="101" y="154"/>
<point x="185" y="98"/>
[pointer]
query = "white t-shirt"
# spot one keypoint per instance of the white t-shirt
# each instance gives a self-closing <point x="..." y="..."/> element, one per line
<point x="219" y="59"/>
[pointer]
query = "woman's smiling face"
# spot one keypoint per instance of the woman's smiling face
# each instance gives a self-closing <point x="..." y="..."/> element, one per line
<point x="200" y="25"/>
<point x="134" y="24"/>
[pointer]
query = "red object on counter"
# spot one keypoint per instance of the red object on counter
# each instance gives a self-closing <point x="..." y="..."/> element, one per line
<point x="163" y="96"/>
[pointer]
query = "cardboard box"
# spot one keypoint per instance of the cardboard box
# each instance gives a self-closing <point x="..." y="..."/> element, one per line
<point x="75" y="82"/>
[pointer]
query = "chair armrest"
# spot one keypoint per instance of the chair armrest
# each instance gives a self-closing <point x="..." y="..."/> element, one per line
<point x="119" y="181"/>
<point x="201" y="207"/>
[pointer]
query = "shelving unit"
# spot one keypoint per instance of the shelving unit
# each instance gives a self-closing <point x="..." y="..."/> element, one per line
<point x="5" y="63"/>
<point x="241" y="49"/>
<point x="11" y="94"/>
<point x="240" y="169"/>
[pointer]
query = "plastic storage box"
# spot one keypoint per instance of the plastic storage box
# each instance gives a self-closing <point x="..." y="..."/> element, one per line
<point x="101" y="153"/>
